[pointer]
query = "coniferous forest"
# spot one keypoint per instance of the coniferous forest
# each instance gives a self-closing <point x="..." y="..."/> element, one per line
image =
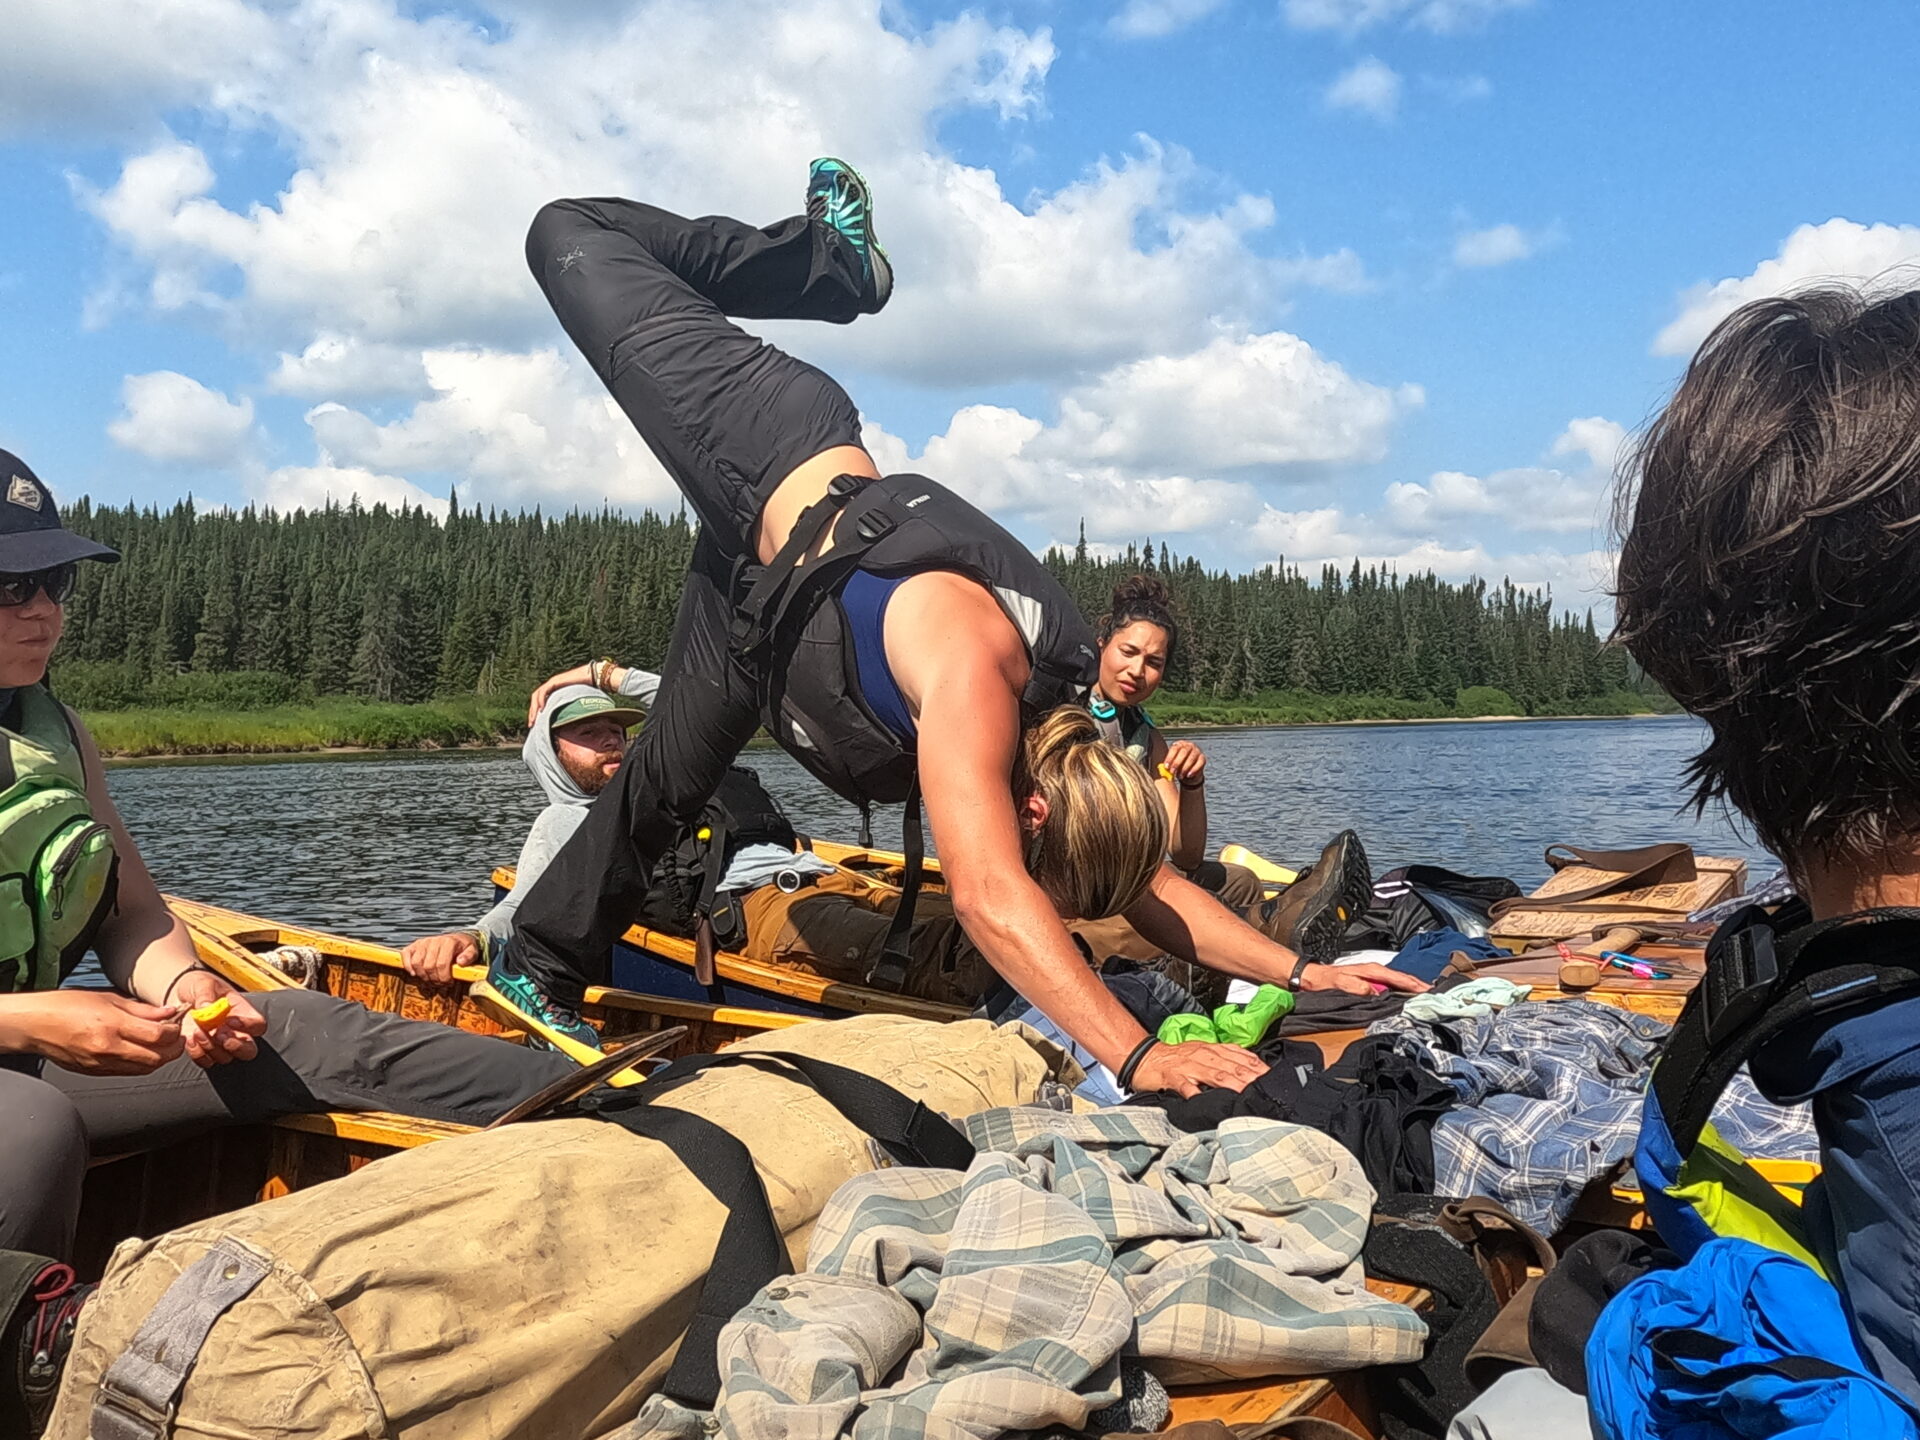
<point x="250" y="609"/>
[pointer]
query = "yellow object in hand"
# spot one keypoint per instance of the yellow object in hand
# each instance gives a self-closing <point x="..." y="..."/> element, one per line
<point x="1166" y="774"/>
<point x="209" y="1016"/>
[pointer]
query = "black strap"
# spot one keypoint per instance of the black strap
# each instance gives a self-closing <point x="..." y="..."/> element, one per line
<point x="1760" y="983"/>
<point x="889" y="971"/>
<point x="755" y="1252"/>
<point x="1677" y="1348"/>
<point x="790" y="579"/>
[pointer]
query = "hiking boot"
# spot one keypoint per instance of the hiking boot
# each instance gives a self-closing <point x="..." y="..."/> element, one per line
<point x="45" y="1325"/>
<point x="838" y="198"/>
<point x="1310" y="915"/>
<point x="550" y="1025"/>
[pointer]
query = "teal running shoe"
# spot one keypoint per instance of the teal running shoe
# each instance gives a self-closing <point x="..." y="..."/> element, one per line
<point x="838" y="197"/>
<point x="550" y="1025"/>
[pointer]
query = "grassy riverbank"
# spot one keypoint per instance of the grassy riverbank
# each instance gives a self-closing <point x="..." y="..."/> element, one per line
<point x="348" y="724"/>
<point x="1299" y="707"/>
<point x="333" y="724"/>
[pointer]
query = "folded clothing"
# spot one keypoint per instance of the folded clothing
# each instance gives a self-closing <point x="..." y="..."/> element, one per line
<point x="1003" y="1299"/>
<point x="1475" y="998"/>
<point x="1549" y="1099"/>
<point x="1426" y="955"/>
<point x="1379" y="1104"/>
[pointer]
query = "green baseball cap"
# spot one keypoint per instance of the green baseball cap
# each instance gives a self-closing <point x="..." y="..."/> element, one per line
<point x="592" y="707"/>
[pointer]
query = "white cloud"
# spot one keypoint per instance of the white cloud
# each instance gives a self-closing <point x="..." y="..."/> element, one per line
<point x="89" y="66"/>
<point x="423" y="148"/>
<point x="1176" y="445"/>
<point x="1150" y="19"/>
<point x="314" y="487"/>
<point x="1601" y="440"/>
<point x="1496" y="245"/>
<point x="1241" y="402"/>
<point x="1528" y="498"/>
<point x="1461" y="89"/>
<point x="990" y="291"/>
<point x="1442" y="17"/>
<point x="1371" y="87"/>
<point x="175" y="419"/>
<point x="1837" y="250"/>
<point x="513" y="429"/>
<point x="340" y="367"/>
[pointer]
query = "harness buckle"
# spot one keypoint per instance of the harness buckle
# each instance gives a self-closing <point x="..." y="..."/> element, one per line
<point x="873" y="525"/>
<point x="121" y="1415"/>
<point x="1743" y="971"/>
<point x="847" y="486"/>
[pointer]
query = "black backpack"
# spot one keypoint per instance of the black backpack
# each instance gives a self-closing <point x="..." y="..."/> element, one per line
<point x="686" y="882"/>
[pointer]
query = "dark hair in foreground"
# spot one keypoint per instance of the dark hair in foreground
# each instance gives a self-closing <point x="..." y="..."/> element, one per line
<point x="1140" y="597"/>
<point x="1770" y="573"/>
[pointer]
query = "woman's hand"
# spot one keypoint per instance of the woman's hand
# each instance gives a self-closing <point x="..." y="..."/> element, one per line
<point x="96" y="1032"/>
<point x="232" y="1039"/>
<point x="1358" y="979"/>
<point x="1188" y="764"/>
<point x="1196" y="1064"/>
<point x="432" y="957"/>
<point x="579" y="675"/>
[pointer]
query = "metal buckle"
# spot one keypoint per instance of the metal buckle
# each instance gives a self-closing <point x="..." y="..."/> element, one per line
<point x="128" y="1417"/>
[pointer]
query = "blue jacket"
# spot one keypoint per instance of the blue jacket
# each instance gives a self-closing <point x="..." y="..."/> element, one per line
<point x="1739" y="1342"/>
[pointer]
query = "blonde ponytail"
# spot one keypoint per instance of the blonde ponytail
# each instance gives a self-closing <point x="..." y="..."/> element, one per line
<point x="1106" y="831"/>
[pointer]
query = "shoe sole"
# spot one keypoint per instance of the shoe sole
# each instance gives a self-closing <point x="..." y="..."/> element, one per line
<point x="1317" y="937"/>
<point x="513" y="1017"/>
<point x="1356" y="882"/>
<point x="878" y="263"/>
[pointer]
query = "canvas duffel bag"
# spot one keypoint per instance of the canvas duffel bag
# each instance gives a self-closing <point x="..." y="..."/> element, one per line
<point x="531" y="1281"/>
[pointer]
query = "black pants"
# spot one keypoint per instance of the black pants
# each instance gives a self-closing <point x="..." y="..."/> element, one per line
<point x="318" y="1054"/>
<point x="646" y="295"/>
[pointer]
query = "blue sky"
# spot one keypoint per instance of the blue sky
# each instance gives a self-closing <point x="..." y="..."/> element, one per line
<point x="1312" y="278"/>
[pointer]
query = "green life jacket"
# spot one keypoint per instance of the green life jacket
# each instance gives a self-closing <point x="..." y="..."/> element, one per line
<point x="58" y="865"/>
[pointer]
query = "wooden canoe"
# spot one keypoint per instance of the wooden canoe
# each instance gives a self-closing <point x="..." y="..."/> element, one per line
<point x="190" y="1181"/>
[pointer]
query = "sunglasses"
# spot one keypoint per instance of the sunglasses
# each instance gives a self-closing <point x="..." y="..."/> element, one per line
<point x="56" y="580"/>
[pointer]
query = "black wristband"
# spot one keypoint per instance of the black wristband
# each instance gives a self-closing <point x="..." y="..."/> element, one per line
<point x="1299" y="973"/>
<point x="167" y="994"/>
<point x="1132" y="1062"/>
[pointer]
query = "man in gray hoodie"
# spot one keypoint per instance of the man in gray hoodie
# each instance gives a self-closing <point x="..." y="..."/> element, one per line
<point x="574" y="748"/>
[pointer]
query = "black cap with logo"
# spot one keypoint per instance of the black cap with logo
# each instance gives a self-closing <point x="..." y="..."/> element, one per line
<point x="31" y="535"/>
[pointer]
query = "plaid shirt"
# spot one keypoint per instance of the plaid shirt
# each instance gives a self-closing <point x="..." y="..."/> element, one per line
<point x="950" y="1305"/>
<point x="1550" y="1099"/>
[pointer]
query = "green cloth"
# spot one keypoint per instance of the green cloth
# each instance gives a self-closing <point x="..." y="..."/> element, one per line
<point x="1243" y="1025"/>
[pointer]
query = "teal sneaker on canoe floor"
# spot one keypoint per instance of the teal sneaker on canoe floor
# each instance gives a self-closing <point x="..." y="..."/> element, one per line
<point x="542" y="1011"/>
<point x="838" y="197"/>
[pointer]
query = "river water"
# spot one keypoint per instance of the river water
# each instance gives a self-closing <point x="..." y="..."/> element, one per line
<point x="393" y="845"/>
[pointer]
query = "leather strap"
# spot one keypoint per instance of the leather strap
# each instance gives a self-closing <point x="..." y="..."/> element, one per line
<point x="140" y="1392"/>
<point x="889" y="971"/>
<point x="1641" y="869"/>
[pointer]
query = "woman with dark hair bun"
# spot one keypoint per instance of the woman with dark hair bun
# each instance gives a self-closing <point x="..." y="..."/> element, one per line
<point x="1137" y="636"/>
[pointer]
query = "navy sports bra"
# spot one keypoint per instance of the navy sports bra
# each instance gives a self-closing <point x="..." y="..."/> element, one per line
<point x="864" y="598"/>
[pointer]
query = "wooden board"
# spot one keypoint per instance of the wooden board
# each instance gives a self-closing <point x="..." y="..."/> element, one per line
<point x="374" y="976"/>
<point x="1719" y="878"/>
<point x="1343" y="1397"/>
